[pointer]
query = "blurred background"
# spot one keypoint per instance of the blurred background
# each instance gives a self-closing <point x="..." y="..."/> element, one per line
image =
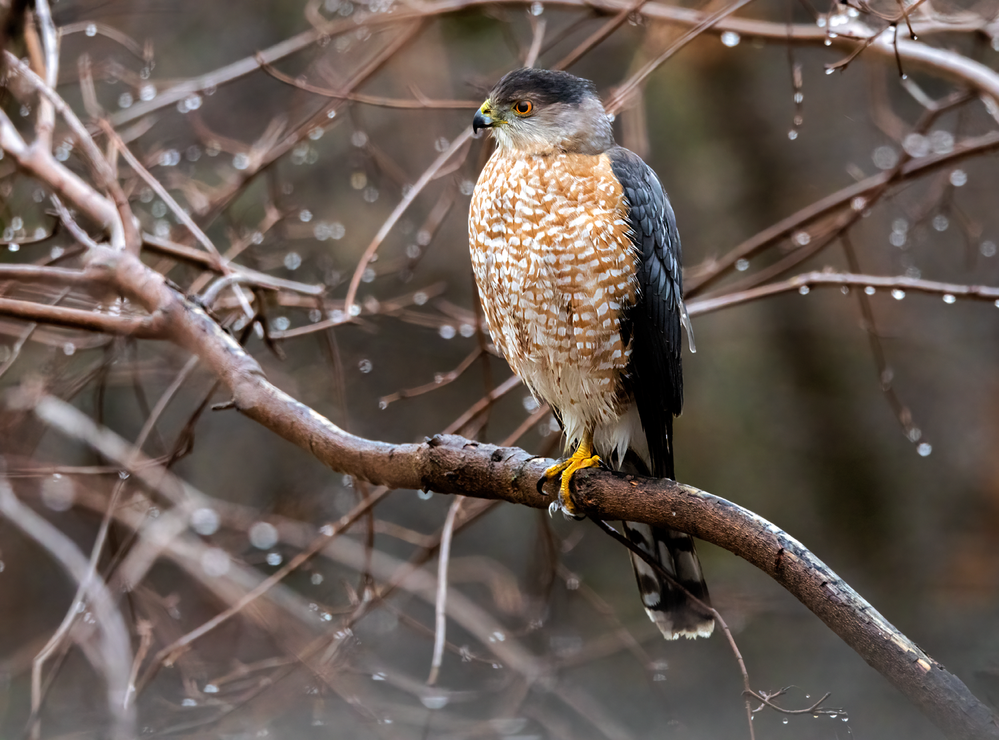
<point x="785" y="410"/>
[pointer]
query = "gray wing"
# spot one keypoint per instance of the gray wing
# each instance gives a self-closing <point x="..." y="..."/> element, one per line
<point x="655" y="374"/>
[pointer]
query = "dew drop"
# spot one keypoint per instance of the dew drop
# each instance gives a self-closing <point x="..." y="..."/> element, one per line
<point x="274" y="559"/>
<point x="802" y="238"/>
<point x="942" y="142"/>
<point x="784" y="721"/>
<point x="884" y="157"/>
<point x="446" y="331"/>
<point x="434" y="701"/>
<point x="68" y="348"/>
<point x="365" y="366"/>
<point x="869" y="290"/>
<point x="537" y="9"/>
<point x="916" y="145"/>
<point x="924" y="449"/>
<point x="383" y="404"/>
<point x="730" y="39"/>
<point x="859" y="203"/>
<point x="898" y="294"/>
<point x="425" y="495"/>
<point x="948" y="298"/>
<point x="58" y="493"/>
<point x="742" y="264"/>
<point x="241" y="161"/>
<point x="987" y="248"/>
<point x="316" y="579"/>
<point x="263" y="535"/>
<point x="792" y="134"/>
<point x="147" y="92"/>
<point x="211" y="689"/>
<point x="205" y="521"/>
<point x="941" y="222"/>
<point x="281" y="323"/>
<point x="958" y="178"/>
<point x="91" y="29"/>
<point x="804" y="290"/>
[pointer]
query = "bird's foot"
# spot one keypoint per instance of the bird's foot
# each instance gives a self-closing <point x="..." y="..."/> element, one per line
<point x="582" y="458"/>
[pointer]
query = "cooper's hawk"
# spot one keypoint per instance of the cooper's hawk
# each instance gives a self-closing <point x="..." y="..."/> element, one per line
<point x="577" y="259"/>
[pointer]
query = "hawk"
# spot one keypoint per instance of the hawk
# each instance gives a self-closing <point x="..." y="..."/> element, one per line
<point x="577" y="260"/>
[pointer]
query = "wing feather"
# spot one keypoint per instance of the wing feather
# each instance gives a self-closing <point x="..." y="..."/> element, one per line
<point x="655" y="373"/>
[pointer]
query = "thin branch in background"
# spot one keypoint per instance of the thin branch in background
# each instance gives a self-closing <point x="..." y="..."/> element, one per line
<point x="538" y="26"/>
<point x="600" y="34"/>
<point x="859" y="197"/>
<point x="71" y="618"/>
<point x="165" y="196"/>
<point x="45" y="123"/>
<point x="441" y="379"/>
<point x="429" y="174"/>
<point x="111" y="655"/>
<point x="624" y="92"/>
<point x="658" y="567"/>
<point x="815" y="709"/>
<point x="22" y="339"/>
<point x="327" y="533"/>
<point x="353" y="97"/>
<point x="440" y="609"/>
<point x="885" y="373"/>
<point x="897" y="287"/>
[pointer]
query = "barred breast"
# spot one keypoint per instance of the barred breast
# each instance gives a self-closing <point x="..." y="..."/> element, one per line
<point x="555" y="269"/>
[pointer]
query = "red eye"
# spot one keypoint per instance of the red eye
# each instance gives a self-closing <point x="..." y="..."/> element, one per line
<point x="523" y="107"/>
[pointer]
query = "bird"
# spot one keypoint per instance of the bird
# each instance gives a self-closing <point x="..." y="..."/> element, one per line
<point x="576" y="257"/>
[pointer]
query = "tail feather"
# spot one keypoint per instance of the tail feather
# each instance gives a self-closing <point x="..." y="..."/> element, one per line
<point x="671" y="608"/>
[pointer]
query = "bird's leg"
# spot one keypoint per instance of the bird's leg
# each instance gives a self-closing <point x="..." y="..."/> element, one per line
<point x="583" y="457"/>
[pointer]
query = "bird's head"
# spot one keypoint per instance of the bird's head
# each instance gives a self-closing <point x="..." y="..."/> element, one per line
<point x="542" y="111"/>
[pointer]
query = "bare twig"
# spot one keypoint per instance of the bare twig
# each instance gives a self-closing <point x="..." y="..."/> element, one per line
<point x="112" y="654"/>
<point x="440" y="610"/>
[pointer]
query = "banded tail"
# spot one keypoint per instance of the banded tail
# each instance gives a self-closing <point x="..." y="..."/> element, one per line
<point x="673" y="612"/>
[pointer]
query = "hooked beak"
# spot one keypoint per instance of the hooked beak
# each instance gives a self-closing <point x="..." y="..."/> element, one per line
<point x="483" y="118"/>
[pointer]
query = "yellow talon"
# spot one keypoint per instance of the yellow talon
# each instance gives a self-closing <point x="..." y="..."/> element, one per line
<point x="583" y="457"/>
